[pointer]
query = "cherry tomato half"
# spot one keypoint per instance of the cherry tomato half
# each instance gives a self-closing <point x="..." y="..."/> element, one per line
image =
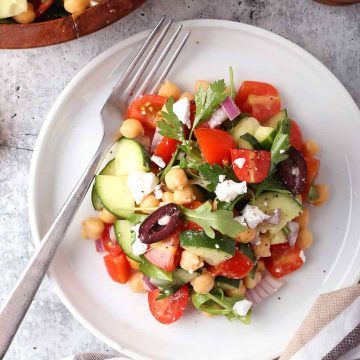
<point x="296" y="139"/>
<point x="166" y="148"/>
<point x="312" y="169"/>
<point x="118" y="267"/>
<point x="40" y="6"/>
<point x="110" y="245"/>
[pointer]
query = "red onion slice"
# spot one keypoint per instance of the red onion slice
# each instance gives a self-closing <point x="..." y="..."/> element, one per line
<point x="264" y="289"/>
<point x="156" y="140"/>
<point x="99" y="246"/>
<point x="230" y="108"/>
<point x="217" y="118"/>
<point x="294" y="232"/>
<point x="274" y="219"/>
<point x="149" y="286"/>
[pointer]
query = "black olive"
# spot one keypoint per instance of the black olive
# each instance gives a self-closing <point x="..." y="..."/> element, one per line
<point x="292" y="171"/>
<point x="150" y="231"/>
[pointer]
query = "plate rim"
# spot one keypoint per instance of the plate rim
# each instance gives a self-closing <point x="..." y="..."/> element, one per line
<point x="82" y="74"/>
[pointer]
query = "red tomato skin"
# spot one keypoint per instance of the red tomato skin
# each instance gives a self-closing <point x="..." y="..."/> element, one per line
<point x="166" y="148"/>
<point x="148" y="118"/>
<point x="215" y="145"/>
<point x="165" y="254"/>
<point x="296" y="139"/>
<point x="189" y="225"/>
<point x="170" y="309"/>
<point x="118" y="267"/>
<point x="284" y="260"/>
<point x="110" y="246"/>
<point x="256" y="167"/>
<point x="260" y="99"/>
<point x="235" y="268"/>
<point x="312" y="167"/>
<point x="41" y="6"/>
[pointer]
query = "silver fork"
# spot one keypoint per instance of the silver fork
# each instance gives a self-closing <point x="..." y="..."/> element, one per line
<point x="135" y="81"/>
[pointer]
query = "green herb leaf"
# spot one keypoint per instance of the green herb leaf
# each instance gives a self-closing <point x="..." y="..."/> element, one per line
<point x="211" y="173"/>
<point x="163" y="172"/>
<point x="221" y="220"/>
<point x="171" y="126"/>
<point x="271" y="183"/>
<point x="232" y="85"/>
<point x="164" y="293"/>
<point x="152" y="271"/>
<point x="281" y="144"/>
<point x="313" y="194"/>
<point x="223" y="205"/>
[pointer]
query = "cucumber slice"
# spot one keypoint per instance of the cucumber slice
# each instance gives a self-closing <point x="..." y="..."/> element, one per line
<point x="274" y="120"/>
<point x="246" y="125"/>
<point x="183" y="276"/>
<point x="213" y="251"/>
<point x="265" y="136"/>
<point x="130" y="156"/>
<point x="109" y="169"/>
<point x="153" y="272"/>
<point x="269" y="201"/>
<point x="125" y="237"/>
<point x="278" y="238"/>
<point x="226" y="283"/>
<point x="115" y="194"/>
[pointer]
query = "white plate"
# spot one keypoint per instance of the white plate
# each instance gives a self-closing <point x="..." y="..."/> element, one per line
<point x="312" y="95"/>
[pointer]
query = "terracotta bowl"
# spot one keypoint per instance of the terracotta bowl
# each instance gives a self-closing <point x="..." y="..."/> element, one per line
<point x="17" y="36"/>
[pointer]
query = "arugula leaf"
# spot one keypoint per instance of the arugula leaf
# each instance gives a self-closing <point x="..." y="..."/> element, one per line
<point x="163" y="172"/>
<point x="216" y="303"/>
<point x="211" y="173"/>
<point x="253" y="141"/>
<point x="164" y="293"/>
<point x="281" y="144"/>
<point x="232" y="85"/>
<point x="223" y="205"/>
<point x="171" y="126"/>
<point x="207" y="102"/>
<point x="221" y="220"/>
<point x="152" y="271"/>
<point x="271" y="183"/>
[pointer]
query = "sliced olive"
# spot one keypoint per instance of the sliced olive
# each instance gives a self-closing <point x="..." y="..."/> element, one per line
<point x="292" y="171"/>
<point x="152" y="230"/>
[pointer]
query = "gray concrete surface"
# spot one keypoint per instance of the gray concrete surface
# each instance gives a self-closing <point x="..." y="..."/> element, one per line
<point x="31" y="80"/>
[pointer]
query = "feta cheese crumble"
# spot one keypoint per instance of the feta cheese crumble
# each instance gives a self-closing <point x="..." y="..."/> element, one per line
<point x="112" y="234"/>
<point x="295" y="171"/>
<point x="240" y="219"/>
<point x="253" y="216"/>
<point x="281" y="151"/>
<point x="158" y="192"/>
<point x="242" y="307"/>
<point x="302" y="255"/>
<point x="158" y="161"/>
<point x="240" y="162"/>
<point x="164" y="220"/>
<point x="217" y="246"/>
<point x="228" y="190"/>
<point x="221" y="178"/>
<point x="182" y="110"/>
<point x="141" y="183"/>
<point x="137" y="246"/>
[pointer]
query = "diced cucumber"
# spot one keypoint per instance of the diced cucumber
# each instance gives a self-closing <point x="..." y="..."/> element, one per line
<point x="226" y="283"/>
<point x="274" y="120"/>
<point x="109" y="169"/>
<point x="183" y="276"/>
<point x="246" y="125"/>
<point x="265" y="136"/>
<point x="278" y="238"/>
<point x="130" y="156"/>
<point x="154" y="272"/>
<point x="213" y="251"/>
<point x="269" y="201"/>
<point x="115" y="194"/>
<point x="125" y="236"/>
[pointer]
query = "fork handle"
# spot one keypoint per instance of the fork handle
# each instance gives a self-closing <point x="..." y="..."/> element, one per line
<point x="20" y="299"/>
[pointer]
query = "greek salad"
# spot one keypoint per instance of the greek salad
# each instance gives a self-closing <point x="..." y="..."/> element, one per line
<point x="205" y="200"/>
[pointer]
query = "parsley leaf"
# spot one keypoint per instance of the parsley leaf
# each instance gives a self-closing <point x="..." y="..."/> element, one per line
<point x="232" y="85"/>
<point x="211" y="173"/>
<point x="171" y="126"/>
<point x="271" y="183"/>
<point x="207" y="101"/>
<point x="221" y="220"/>
<point x="280" y="145"/>
<point x="163" y="172"/>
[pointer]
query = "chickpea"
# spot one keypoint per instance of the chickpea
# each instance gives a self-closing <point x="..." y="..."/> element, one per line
<point x="311" y="148"/>
<point x="136" y="283"/>
<point x="187" y="95"/>
<point x="131" y="128"/>
<point x="305" y="239"/>
<point x="203" y="283"/>
<point x="246" y="236"/>
<point x="260" y="266"/>
<point x="190" y="262"/>
<point x="169" y="89"/>
<point x="76" y="6"/>
<point x="176" y="179"/>
<point x="324" y="194"/>
<point x="251" y="283"/>
<point x="303" y="219"/>
<point x="106" y="216"/>
<point x="27" y="16"/>
<point x="184" y="196"/>
<point x="263" y="249"/>
<point x="92" y="228"/>
<point x="214" y="205"/>
<point x="204" y="83"/>
<point x="206" y="314"/>
<point x="149" y="201"/>
<point x="133" y="264"/>
<point x="240" y="291"/>
<point x="168" y="197"/>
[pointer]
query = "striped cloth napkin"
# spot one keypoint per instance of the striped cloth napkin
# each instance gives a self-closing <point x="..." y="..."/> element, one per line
<point x="331" y="331"/>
